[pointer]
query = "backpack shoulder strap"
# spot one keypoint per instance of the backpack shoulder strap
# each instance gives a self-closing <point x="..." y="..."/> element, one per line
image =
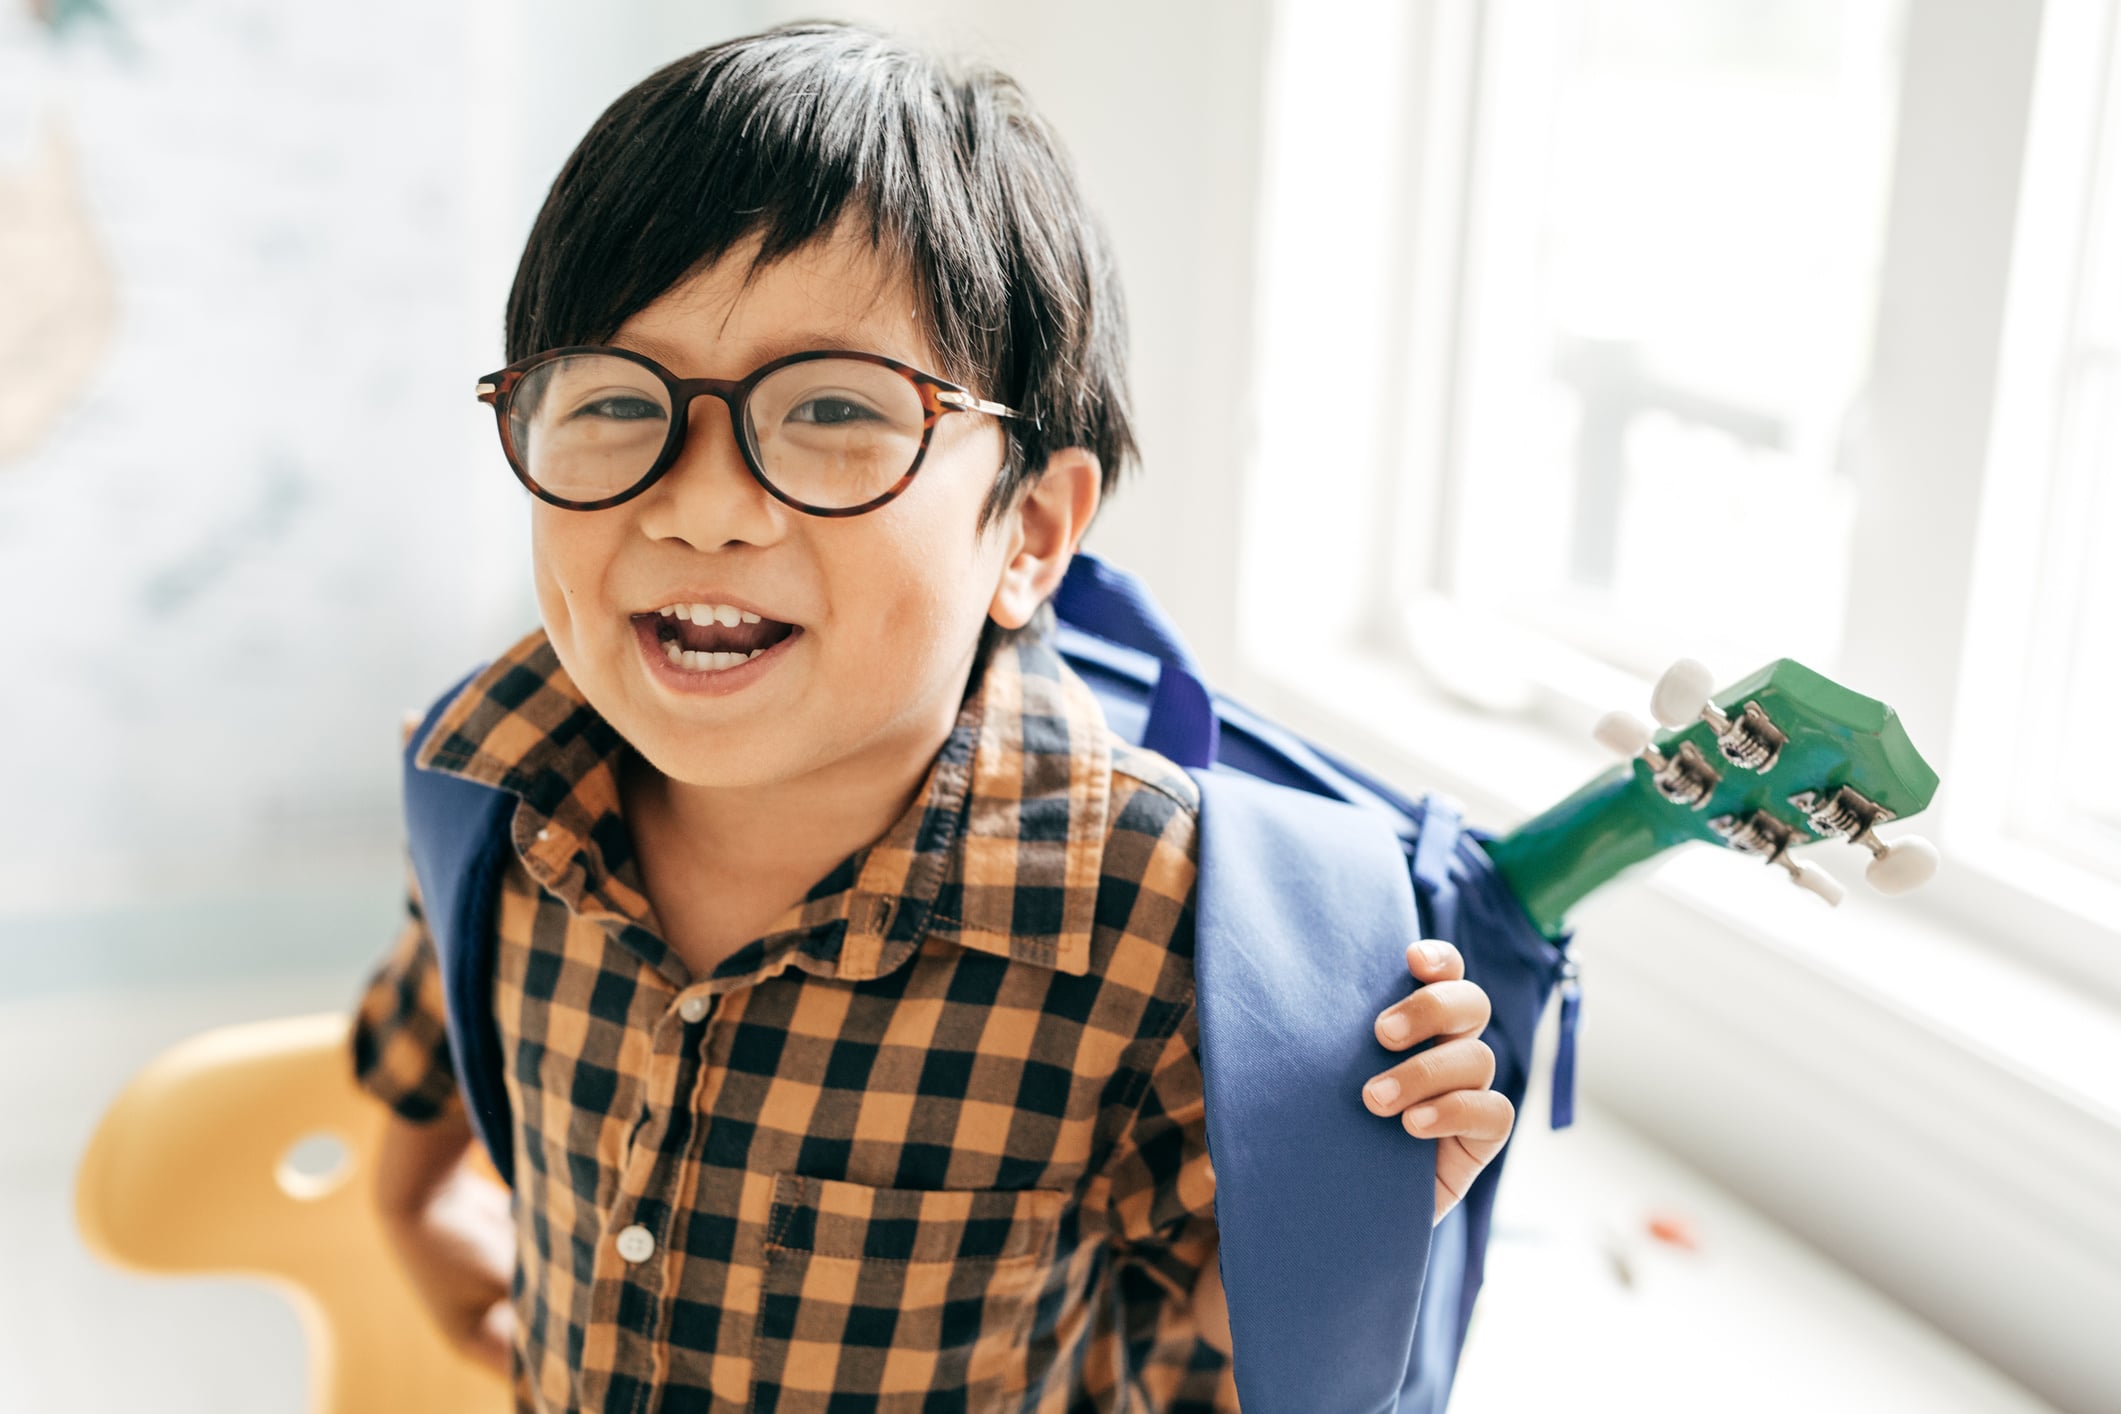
<point x="457" y="833"/>
<point x="1303" y="911"/>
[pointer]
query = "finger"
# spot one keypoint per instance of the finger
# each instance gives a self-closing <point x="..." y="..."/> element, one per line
<point x="1462" y="1064"/>
<point x="493" y="1341"/>
<point x="1482" y="1118"/>
<point x="1460" y="1158"/>
<point x="1452" y="1009"/>
<point x="1434" y="960"/>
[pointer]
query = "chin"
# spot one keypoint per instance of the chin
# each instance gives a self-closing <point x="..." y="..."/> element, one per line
<point x="696" y="758"/>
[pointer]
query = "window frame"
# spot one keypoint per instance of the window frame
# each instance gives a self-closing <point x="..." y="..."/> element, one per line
<point x="1959" y="392"/>
<point x="1951" y="1061"/>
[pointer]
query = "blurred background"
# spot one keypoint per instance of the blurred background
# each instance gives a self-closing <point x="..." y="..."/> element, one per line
<point x="1487" y="358"/>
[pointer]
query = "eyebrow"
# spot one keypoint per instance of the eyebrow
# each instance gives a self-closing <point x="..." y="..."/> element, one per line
<point x="766" y="350"/>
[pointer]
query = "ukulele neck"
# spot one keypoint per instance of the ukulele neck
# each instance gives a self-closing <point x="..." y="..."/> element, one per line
<point x="1614" y="822"/>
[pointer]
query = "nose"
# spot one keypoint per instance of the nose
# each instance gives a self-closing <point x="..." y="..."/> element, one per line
<point x="708" y="496"/>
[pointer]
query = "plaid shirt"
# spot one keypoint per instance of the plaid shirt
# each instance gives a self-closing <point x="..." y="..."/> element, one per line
<point x="933" y="1142"/>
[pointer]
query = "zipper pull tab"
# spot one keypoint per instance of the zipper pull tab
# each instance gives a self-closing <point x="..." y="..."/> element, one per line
<point x="1563" y="1113"/>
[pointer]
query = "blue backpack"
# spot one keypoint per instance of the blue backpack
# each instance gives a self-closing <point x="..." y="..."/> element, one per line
<point x="1313" y="878"/>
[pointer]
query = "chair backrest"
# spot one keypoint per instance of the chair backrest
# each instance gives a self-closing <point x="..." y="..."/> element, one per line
<point x="191" y="1172"/>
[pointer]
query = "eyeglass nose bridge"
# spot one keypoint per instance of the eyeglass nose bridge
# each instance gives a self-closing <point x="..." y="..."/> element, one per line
<point x="732" y="393"/>
<point x="730" y="390"/>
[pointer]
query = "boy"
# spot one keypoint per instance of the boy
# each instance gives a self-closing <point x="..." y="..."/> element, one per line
<point x="845" y="956"/>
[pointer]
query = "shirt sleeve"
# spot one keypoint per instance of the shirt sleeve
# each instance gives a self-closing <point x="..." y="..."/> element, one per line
<point x="1173" y="1320"/>
<point x="400" y="1039"/>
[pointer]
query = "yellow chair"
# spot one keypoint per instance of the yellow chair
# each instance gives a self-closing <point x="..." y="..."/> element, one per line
<point x="194" y="1170"/>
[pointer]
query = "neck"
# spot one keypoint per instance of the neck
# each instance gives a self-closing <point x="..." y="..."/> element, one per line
<point x="1612" y="823"/>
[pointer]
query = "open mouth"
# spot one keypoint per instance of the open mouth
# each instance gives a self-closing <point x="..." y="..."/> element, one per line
<point x="696" y="638"/>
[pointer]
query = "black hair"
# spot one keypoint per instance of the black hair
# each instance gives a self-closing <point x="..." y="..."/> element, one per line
<point x="782" y="133"/>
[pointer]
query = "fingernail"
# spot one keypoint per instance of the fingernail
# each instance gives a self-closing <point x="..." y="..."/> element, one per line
<point x="1394" y="1028"/>
<point x="1430" y="957"/>
<point x="1383" y="1090"/>
<point x="1422" y="1117"/>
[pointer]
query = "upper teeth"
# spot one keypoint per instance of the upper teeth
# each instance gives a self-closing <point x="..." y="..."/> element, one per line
<point x="727" y="615"/>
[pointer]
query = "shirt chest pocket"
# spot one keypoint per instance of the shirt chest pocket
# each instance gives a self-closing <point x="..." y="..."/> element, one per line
<point x="898" y="1291"/>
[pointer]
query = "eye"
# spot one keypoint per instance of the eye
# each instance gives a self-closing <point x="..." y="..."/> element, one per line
<point x="621" y="408"/>
<point x="829" y="411"/>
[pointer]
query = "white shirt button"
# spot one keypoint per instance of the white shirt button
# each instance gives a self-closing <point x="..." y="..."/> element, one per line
<point x="546" y="833"/>
<point x="692" y="1008"/>
<point x="636" y="1243"/>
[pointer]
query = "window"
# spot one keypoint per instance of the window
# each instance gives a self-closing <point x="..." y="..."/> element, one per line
<point x="2068" y="785"/>
<point x="1667" y="323"/>
<point x="1723" y="330"/>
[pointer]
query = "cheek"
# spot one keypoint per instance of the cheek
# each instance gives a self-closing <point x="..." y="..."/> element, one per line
<point x="569" y="554"/>
<point x="915" y="583"/>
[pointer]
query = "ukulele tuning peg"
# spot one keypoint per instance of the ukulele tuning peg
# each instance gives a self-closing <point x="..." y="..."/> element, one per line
<point x="1681" y="694"/>
<point x="1903" y="864"/>
<point x="1622" y="734"/>
<point x="1814" y="879"/>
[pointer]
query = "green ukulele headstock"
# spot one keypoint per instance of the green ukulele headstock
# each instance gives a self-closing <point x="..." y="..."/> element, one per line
<point x="1779" y="760"/>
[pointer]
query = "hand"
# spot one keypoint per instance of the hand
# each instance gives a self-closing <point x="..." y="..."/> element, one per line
<point x="459" y="1248"/>
<point x="1443" y="1093"/>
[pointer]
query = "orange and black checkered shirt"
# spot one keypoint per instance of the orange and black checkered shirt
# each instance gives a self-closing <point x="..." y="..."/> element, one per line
<point x="933" y="1142"/>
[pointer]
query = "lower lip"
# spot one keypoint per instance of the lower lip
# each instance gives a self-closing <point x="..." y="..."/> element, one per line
<point x="710" y="682"/>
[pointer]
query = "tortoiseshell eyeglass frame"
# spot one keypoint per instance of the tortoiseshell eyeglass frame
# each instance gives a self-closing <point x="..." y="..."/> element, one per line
<point x="938" y="397"/>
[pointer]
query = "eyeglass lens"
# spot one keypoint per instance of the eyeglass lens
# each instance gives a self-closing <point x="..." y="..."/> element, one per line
<point x="829" y="432"/>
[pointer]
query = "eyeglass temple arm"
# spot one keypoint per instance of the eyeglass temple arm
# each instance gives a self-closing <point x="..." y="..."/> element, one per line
<point x="972" y="404"/>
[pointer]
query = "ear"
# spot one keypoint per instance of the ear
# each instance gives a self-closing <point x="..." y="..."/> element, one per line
<point x="1045" y="525"/>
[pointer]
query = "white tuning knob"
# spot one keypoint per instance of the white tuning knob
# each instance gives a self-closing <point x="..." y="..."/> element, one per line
<point x="1622" y="734"/>
<point x="1681" y="693"/>
<point x="1907" y="863"/>
<point x="1812" y="877"/>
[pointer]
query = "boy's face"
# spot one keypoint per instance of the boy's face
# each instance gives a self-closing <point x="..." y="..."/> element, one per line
<point x="887" y="605"/>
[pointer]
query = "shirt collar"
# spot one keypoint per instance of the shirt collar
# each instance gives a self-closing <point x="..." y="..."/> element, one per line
<point x="1000" y="851"/>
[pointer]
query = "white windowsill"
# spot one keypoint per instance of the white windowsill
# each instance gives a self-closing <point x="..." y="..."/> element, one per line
<point x="1953" y="982"/>
<point x="1900" y="1094"/>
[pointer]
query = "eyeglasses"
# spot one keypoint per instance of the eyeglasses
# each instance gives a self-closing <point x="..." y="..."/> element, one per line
<point x="831" y="432"/>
